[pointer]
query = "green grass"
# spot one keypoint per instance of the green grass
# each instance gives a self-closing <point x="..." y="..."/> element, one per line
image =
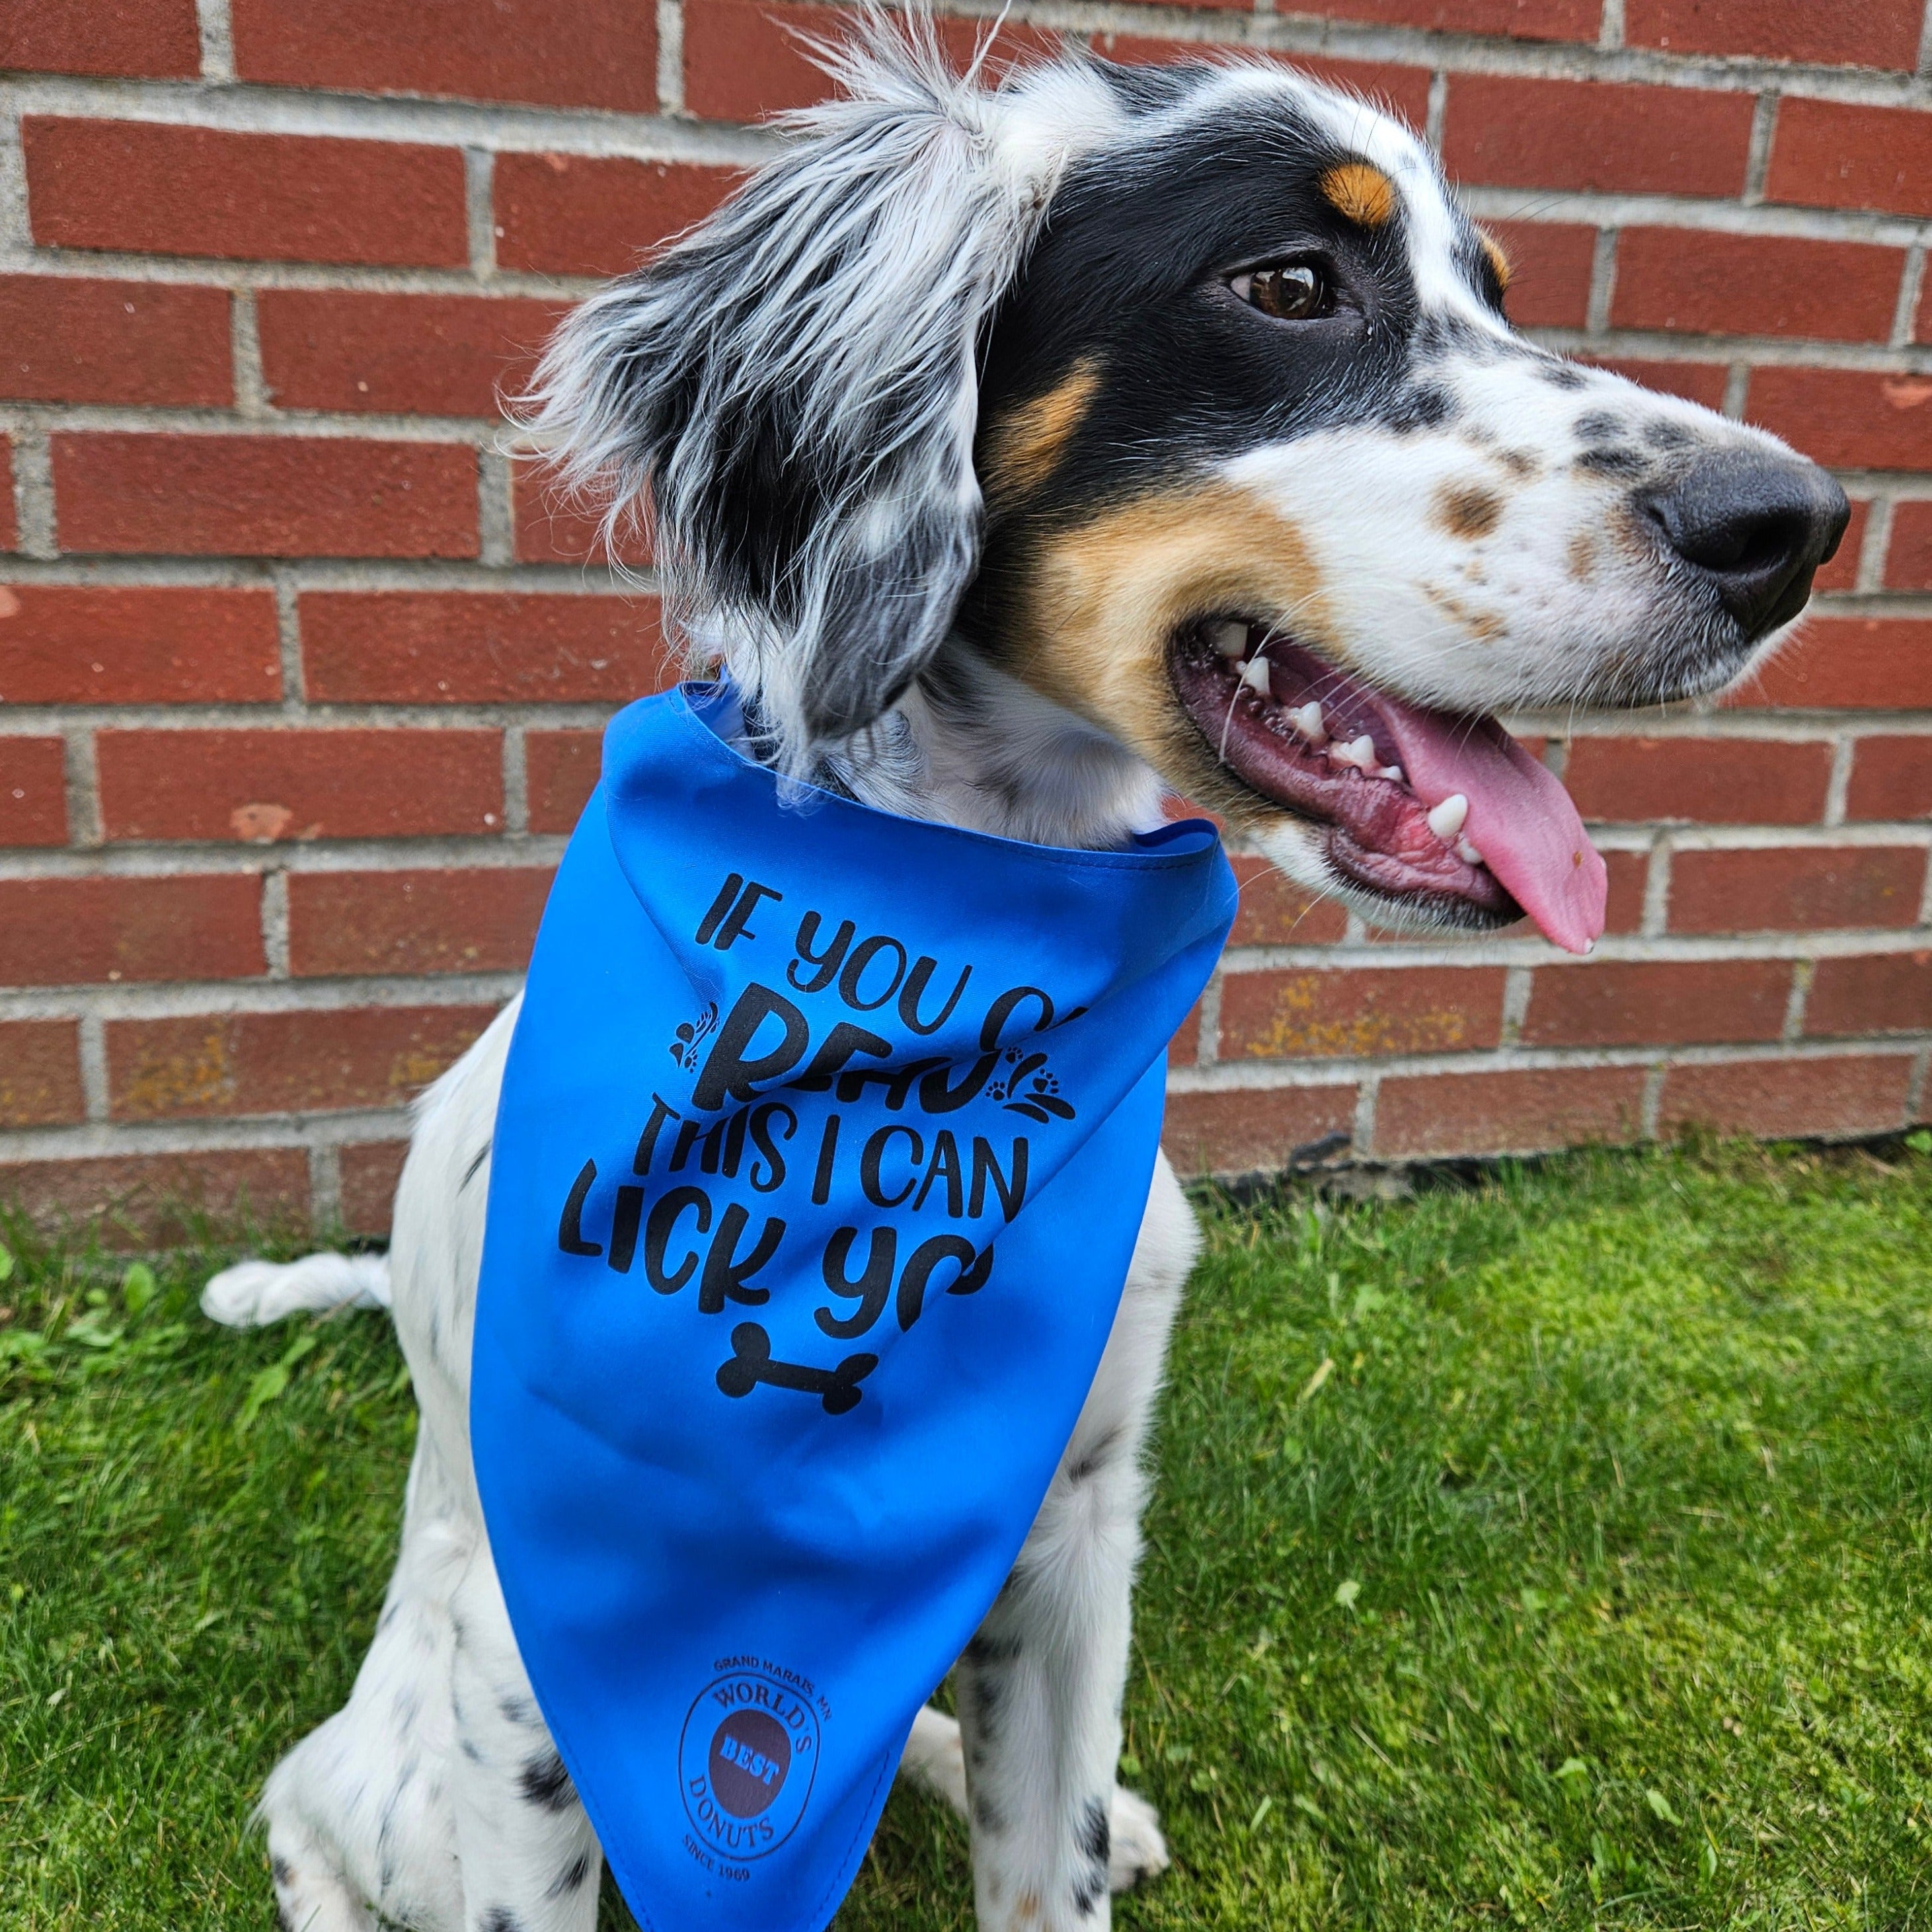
<point x="1585" y="1586"/>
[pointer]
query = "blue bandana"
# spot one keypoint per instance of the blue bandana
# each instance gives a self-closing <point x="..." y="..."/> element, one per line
<point x="824" y="1140"/>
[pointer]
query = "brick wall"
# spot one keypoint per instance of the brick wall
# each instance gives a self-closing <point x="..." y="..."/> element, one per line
<point x="300" y="678"/>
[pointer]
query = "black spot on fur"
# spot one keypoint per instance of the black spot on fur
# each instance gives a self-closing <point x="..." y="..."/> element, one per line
<point x="501" y="1918"/>
<point x="1096" y="1832"/>
<point x="1562" y="375"/>
<point x="987" y="1815"/>
<point x="469" y="1172"/>
<point x="572" y="1876"/>
<point x="281" y="1871"/>
<point x="1098" y="1456"/>
<point x="1427" y="407"/>
<point x="1087" y="1895"/>
<point x="1667" y="435"/>
<point x="983" y="1649"/>
<point x="1617" y="460"/>
<point x="469" y="1750"/>
<point x="516" y="1710"/>
<point x="1601" y="426"/>
<point x="544" y="1781"/>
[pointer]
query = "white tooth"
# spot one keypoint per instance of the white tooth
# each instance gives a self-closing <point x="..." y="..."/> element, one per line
<point x="1392" y="771"/>
<point x="1255" y="676"/>
<point x="1360" y="752"/>
<point x="1445" y="820"/>
<point x="1228" y="638"/>
<point x="1307" y="721"/>
<point x="1468" y="852"/>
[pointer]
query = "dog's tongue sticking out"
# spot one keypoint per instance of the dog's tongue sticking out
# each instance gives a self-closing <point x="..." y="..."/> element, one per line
<point x="1519" y="816"/>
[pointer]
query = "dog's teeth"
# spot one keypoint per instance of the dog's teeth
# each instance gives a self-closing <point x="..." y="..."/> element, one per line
<point x="1445" y="820"/>
<point x="1228" y="638"/>
<point x="1308" y="721"/>
<point x="1394" y="771"/>
<point x="1255" y="676"/>
<point x="1468" y="853"/>
<point x="1360" y="752"/>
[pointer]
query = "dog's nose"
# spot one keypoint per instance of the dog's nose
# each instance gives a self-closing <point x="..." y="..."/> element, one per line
<point x="1758" y="525"/>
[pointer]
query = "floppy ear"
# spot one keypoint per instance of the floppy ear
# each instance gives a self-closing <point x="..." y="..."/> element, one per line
<point x="792" y="388"/>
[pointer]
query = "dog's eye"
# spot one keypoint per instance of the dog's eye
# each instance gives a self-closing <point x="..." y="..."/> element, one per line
<point x="1289" y="291"/>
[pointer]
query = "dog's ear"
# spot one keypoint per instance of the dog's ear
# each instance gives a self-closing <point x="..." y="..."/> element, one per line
<point x="792" y="387"/>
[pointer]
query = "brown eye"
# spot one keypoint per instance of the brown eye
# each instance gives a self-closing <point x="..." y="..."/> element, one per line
<point x="1289" y="291"/>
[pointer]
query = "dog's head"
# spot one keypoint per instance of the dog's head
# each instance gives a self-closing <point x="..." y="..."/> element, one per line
<point x="1183" y="401"/>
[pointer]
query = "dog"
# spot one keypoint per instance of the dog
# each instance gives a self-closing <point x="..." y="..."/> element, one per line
<point x="1029" y="451"/>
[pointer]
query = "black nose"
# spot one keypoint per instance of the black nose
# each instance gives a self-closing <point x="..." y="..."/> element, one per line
<point x="1757" y="525"/>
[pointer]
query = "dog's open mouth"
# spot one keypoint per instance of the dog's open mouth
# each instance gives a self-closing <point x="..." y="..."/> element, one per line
<point x="1442" y="813"/>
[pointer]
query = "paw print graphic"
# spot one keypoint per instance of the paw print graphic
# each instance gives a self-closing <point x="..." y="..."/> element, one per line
<point x="1033" y="1090"/>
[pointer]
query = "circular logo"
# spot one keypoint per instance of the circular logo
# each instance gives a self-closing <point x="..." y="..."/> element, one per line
<point x="745" y="1762"/>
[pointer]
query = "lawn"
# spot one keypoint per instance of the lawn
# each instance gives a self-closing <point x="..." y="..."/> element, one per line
<point x="1551" y="1548"/>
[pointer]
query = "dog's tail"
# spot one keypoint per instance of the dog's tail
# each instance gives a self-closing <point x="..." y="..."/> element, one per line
<point x="251" y="1295"/>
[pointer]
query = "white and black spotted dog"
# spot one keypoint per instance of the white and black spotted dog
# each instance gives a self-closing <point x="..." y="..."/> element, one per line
<point x="1026" y="451"/>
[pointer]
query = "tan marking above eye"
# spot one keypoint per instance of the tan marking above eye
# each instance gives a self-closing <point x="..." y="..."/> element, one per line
<point x="1499" y="260"/>
<point x="1467" y="510"/>
<point x="1020" y="450"/>
<point x="1362" y="193"/>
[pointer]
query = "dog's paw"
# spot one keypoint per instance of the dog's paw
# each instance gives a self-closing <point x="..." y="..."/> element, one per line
<point x="1136" y="1851"/>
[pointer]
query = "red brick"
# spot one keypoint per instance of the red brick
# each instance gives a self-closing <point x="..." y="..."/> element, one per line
<point x="437" y="356"/>
<point x="1184" y="1048"/>
<point x="33" y="791"/>
<point x="1550" y="264"/>
<point x="1520" y="20"/>
<point x="1632" y="1003"/>
<point x="1254" y="1130"/>
<point x="148" y="1201"/>
<point x="1908" y="562"/>
<point x="65" y="932"/>
<point x="1401" y="91"/>
<point x="1709" y="284"/>
<point x="1847" y="418"/>
<point x="551" y="528"/>
<point x="741" y="60"/>
<point x="1863" y="1094"/>
<point x="75" y="339"/>
<point x="1796" y="889"/>
<point x="479" y="647"/>
<point x="1605" y="136"/>
<point x="1276" y="912"/>
<point x="1523" y="1110"/>
<point x="560" y="769"/>
<point x="1842" y="572"/>
<point x="1881" y="664"/>
<point x="89" y="644"/>
<point x="370" y="1170"/>
<point x="162" y="189"/>
<point x="1884" y="992"/>
<point x="156" y="38"/>
<point x="1828" y="153"/>
<point x="478" y="921"/>
<point x="259" y="786"/>
<point x="40" y="1073"/>
<point x="558" y="53"/>
<point x="1630" y="876"/>
<point x="1704" y="781"/>
<point x="288" y="1063"/>
<point x="264" y="495"/>
<point x="1696" y="382"/>
<point x="1891" y="778"/>
<point x="10" y="534"/>
<point x="597" y="214"/>
<point x="1360" y="1012"/>
<point x="1862" y="33"/>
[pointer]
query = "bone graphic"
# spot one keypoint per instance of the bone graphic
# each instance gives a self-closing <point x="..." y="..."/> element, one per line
<point x="751" y="1363"/>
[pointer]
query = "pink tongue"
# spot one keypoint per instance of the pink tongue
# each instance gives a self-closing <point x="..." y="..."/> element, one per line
<point x="1520" y="817"/>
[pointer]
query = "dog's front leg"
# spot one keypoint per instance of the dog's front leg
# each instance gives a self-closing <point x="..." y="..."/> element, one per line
<point x="530" y="1861"/>
<point x="1040" y="1686"/>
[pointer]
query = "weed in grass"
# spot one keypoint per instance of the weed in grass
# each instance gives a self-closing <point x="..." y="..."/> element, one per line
<point x="1551" y="1549"/>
